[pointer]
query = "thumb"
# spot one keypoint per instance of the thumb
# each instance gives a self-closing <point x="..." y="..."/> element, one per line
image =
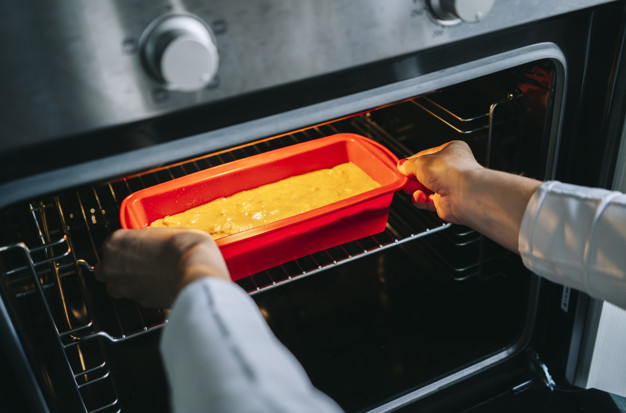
<point x="406" y="167"/>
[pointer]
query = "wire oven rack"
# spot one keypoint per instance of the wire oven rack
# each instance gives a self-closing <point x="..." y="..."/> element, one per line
<point x="71" y="226"/>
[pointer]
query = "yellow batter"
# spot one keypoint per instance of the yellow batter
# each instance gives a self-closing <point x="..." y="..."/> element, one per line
<point x="271" y="202"/>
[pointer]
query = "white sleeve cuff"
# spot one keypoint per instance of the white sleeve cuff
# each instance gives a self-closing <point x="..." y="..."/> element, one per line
<point x="220" y="356"/>
<point x="576" y="236"/>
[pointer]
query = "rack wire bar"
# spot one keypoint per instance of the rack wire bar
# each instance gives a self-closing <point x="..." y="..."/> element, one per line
<point x="347" y="257"/>
<point x="106" y="408"/>
<point x="458" y="124"/>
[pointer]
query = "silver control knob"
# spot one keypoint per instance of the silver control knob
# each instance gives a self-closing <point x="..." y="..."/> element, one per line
<point x="180" y="51"/>
<point x="455" y="11"/>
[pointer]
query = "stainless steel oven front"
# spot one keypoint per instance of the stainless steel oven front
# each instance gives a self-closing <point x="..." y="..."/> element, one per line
<point x="110" y="97"/>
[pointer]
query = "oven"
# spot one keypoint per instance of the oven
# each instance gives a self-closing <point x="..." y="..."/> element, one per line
<point x="107" y="98"/>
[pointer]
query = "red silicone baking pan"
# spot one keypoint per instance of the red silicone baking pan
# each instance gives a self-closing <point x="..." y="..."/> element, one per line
<point x="266" y="246"/>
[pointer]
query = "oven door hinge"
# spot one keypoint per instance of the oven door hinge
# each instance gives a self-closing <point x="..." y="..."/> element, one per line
<point x="541" y="369"/>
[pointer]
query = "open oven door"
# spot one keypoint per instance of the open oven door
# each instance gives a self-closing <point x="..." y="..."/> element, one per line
<point x="597" y="356"/>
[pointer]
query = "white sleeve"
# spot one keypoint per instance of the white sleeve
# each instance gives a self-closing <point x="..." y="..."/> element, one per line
<point x="221" y="356"/>
<point x="576" y="236"/>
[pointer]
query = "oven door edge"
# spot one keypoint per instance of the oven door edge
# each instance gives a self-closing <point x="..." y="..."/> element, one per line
<point x="127" y="163"/>
<point x="505" y="354"/>
<point x="597" y="358"/>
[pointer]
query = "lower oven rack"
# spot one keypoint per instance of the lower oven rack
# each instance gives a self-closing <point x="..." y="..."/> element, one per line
<point x="55" y="266"/>
<point x="34" y="279"/>
<point x="56" y="273"/>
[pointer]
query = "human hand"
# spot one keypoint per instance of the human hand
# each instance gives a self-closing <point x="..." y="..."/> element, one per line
<point x="439" y="178"/>
<point x="151" y="266"/>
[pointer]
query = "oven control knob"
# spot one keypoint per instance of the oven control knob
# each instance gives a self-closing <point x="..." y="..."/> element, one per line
<point x="180" y="51"/>
<point x="455" y="11"/>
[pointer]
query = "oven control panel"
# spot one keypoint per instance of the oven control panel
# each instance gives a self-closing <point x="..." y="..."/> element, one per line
<point x="457" y="11"/>
<point x="86" y="66"/>
<point x="180" y="52"/>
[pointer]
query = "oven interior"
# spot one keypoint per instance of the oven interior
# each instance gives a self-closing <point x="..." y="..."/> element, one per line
<point x="370" y="320"/>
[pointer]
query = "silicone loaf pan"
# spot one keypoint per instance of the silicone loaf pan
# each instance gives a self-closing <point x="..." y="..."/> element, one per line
<point x="269" y="245"/>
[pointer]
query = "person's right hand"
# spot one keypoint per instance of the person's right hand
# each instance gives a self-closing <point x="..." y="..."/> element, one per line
<point x="438" y="178"/>
<point x="448" y="179"/>
<point x="151" y="266"/>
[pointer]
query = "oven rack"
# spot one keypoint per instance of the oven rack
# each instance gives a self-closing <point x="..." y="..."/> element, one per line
<point x="397" y="232"/>
<point x="78" y="221"/>
<point x="73" y="299"/>
<point x="474" y="126"/>
<point x="473" y="123"/>
<point x="464" y="125"/>
<point x="83" y="358"/>
<point x="54" y="269"/>
<point x="484" y="126"/>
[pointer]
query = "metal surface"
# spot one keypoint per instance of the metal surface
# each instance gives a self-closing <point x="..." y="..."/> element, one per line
<point x="85" y="372"/>
<point x="619" y="182"/>
<point x="456" y="11"/>
<point x="603" y="365"/>
<point x="10" y="344"/>
<point x="600" y="362"/>
<point x="129" y="162"/>
<point x="76" y="66"/>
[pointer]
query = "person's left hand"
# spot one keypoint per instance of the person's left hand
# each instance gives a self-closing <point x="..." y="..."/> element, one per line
<point x="151" y="266"/>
